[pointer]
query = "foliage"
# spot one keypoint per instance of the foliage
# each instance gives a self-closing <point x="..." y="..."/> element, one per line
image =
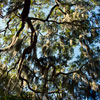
<point x="49" y="49"/>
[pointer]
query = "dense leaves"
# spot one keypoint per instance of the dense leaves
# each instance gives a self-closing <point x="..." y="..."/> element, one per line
<point x="49" y="49"/>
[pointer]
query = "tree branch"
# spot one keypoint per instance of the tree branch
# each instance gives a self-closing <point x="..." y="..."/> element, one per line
<point x="61" y="73"/>
<point x="69" y="23"/>
<point x="14" y="40"/>
<point x="51" y="11"/>
<point x="24" y="15"/>
<point x="26" y="9"/>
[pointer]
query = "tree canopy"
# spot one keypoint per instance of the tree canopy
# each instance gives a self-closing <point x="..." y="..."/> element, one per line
<point x="49" y="49"/>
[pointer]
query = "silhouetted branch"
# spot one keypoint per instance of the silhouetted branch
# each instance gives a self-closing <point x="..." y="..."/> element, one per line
<point x="24" y="15"/>
<point x="61" y="73"/>
<point x="51" y="11"/>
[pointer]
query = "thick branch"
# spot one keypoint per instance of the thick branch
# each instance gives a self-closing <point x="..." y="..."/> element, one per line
<point x="25" y="11"/>
<point x="33" y="33"/>
<point x="24" y="15"/>
<point x="32" y="29"/>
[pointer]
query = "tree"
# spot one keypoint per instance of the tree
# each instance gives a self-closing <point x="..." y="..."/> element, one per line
<point x="39" y="44"/>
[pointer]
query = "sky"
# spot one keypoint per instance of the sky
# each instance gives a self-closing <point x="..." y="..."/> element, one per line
<point x="2" y="25"/>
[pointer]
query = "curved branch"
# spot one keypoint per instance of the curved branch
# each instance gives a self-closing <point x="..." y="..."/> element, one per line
<point x="61" y="73"/>
<point x="22" y="79"/>
<point x="37" y="91"/>
<point x="24" y="15"/>
<point x="51" y="11"/>
<point x="14" y="40"/>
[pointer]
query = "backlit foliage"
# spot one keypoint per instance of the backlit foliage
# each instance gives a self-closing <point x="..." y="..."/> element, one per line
<point x="49" y="49"/>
